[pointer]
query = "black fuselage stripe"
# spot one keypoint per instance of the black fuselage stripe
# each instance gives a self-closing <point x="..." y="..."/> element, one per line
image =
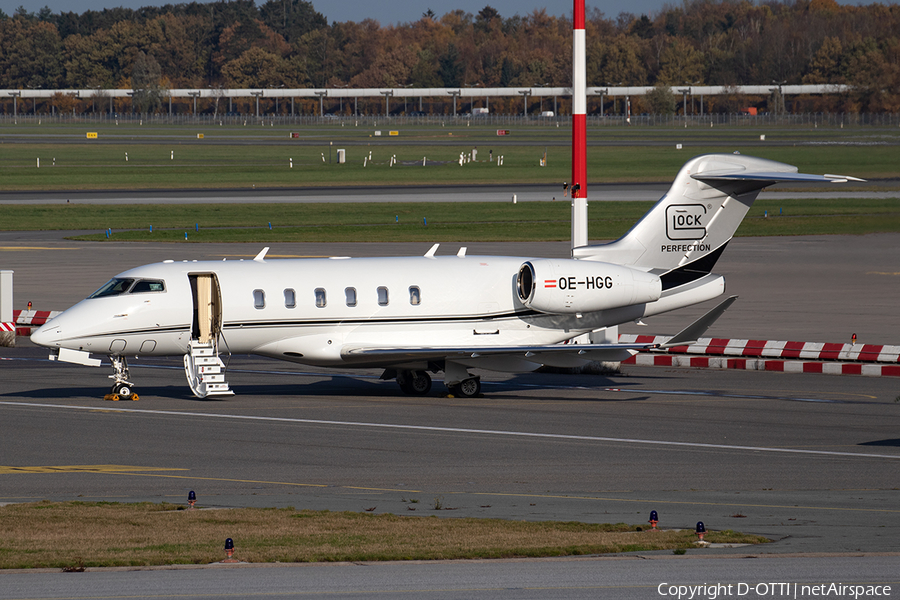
<point x="386" y="321"/>
<point x="153" y="331"/>
<point x="238" y="325"/>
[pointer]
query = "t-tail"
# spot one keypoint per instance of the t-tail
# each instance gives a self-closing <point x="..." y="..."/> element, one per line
<point x="684" y="234"/>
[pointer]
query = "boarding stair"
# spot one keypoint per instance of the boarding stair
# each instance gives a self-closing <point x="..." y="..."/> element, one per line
<point x="204" y="370"/>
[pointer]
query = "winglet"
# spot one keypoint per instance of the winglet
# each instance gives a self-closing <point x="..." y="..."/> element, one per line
<point x="689" y="334"/>
<point x="430" y="253"/>
<point x="262" y="255"/>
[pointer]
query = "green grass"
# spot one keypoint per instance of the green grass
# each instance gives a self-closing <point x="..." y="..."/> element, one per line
<point x="83" y="534"/>
<point x="253" y="156"/>
<point x="448" y="222"/>
<point x="235" y="166"/>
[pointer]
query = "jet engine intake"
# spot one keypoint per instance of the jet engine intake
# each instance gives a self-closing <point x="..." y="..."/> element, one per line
<point x="574" y="286"/>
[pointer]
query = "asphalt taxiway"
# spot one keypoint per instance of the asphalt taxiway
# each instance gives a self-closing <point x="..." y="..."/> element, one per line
<point x="810" y="461"/>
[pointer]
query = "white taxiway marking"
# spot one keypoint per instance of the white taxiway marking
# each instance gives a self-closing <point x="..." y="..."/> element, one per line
<point x="496" y="432"/>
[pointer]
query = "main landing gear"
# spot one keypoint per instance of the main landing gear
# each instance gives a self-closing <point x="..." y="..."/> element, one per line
<point x="122" y="389"/>
<point x="467" y="388"/>
<point x="414" y="383"/>
<point x="460" y="382"/>
<point x="418" y="383"/>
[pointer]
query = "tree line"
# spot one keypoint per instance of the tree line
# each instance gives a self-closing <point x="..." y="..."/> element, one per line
<point x="235" y="44"/>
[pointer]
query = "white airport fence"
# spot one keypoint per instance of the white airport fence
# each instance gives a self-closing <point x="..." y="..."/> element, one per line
<point x="738" y="120"/>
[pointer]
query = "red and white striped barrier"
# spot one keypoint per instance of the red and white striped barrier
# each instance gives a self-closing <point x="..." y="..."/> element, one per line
<point x="775" y="349"/>
<point x="647" y="359"/>
<point x="767" y="355"/>
<point x="25" y="321"/>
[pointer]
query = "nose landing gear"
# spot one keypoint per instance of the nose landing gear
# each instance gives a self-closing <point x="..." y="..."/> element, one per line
<point x="122" y="389"/>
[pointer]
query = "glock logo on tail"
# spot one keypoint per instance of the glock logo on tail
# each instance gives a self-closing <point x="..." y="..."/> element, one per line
<point x="686" y="222"/>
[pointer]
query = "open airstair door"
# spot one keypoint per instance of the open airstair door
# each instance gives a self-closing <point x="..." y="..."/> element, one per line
<point x="203" y="368"/>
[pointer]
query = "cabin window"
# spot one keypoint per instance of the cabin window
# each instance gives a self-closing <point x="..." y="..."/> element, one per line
<point x="113" y="287"/>
<point x="415" y="296"/>
<point x="382" y="296"/>
<point x="259" y="299"/>
<point x="290" y="298"/>
<point x="148" y="285"/>
<point x="350" y="294"/>
<point x="320" y="297"/>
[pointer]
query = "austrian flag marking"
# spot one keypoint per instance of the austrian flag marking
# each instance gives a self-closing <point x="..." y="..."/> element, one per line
<point x="549" y="283"/>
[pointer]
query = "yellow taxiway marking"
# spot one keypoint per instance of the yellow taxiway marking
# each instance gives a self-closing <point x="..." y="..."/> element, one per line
<point x="287" y="483"/>
<point x="136" y="472"/>
<point x="646" y="501"/>
<point x="143" y="472"/>
<point x="153" y="472"/>
<point x="5" y="470"/>
<point x="15" y="248"/>
<point x="881" y="273"/>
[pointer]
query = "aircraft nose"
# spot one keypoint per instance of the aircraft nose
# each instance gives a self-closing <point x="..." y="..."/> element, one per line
<point x="47" y="335"/>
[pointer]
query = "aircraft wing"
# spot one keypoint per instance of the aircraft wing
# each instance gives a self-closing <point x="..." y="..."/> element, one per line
<point x="554" y="355"/>
<point x="537" y="354"/>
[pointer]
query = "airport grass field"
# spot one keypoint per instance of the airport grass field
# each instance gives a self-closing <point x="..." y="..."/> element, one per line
<point x="130" y="157"/>
<point x="420" y="222"/>
<point x="75" y="535"/>
<point x="137" y="156"/>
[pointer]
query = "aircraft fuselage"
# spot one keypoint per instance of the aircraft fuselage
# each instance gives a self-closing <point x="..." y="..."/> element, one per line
<point x="308" y="310"/>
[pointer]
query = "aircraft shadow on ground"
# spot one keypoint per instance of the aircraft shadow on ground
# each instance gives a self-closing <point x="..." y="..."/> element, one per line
<point x="895" y="443"/>
<point x="517" y="388"/>
<point x="96" y="393"/>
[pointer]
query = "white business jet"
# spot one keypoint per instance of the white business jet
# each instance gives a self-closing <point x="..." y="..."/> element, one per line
<point x="415" y="315"/>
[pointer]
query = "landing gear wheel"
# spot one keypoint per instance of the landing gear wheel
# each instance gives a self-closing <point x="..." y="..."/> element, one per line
<point x="414" y="383"/>
<point x="123" y="391"/>
<point x="467" y="388"/>
<point x="121" y="388"/>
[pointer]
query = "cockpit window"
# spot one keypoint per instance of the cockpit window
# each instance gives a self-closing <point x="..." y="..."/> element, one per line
<point x="148" y="285"/>
<point x="113" y="287"/>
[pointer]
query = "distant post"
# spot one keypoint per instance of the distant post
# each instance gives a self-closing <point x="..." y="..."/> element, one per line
<point x="579" y="129"/>
<point x="387" y="106"/>
<point x="15" y="97"/>
<point x="321" y="96"/>
<point x="257" y="94"/>
<point x="455" y="94"/>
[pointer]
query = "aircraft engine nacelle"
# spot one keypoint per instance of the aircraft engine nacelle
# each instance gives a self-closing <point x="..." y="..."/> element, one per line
<point x="575" y="286"/>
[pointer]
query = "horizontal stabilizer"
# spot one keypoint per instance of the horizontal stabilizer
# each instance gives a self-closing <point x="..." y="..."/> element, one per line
<point x="773" y="176"/>
<point x="695" y="330"/>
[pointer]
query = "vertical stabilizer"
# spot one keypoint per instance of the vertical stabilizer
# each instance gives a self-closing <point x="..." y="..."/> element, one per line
<point x="685" y="232"/>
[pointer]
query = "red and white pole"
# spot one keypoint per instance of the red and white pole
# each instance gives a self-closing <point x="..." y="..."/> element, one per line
<point x="579" y="130"/>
